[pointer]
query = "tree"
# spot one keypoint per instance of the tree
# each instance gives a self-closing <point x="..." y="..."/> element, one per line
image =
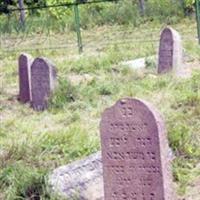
<point x="22" y="12"/>
<point x="4" y="4"/>
<point x="142" y="7"/>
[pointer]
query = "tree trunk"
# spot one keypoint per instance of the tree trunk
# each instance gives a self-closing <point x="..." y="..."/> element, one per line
<point x="142" y="7"/>
<point x="22" y="12"/>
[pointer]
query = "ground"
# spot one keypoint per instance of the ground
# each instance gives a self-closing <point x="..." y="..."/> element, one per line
<point x="32" y="144"/>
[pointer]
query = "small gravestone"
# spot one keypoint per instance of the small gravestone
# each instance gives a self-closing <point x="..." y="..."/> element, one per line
<point x="43" y="76"/>
<point x="79" y="180"/>
<point x="170" y="51"/>
<point x="136" y="165"/>
<point x="24" y="63"/>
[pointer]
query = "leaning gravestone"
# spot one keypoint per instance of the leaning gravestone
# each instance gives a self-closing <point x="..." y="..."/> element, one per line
<point x="43" y="76"/>
<point x="24" y="63"/>
<point x="136" y="165"/>
<point x="170" y="51"/>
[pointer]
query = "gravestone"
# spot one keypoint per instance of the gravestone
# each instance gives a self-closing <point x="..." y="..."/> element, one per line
<point x="79" y="180"/>
<point x="170" y="51"/>
<point x="43" y="77"/>
<point x="24" y="63"/>
<point x="136" y="165"/>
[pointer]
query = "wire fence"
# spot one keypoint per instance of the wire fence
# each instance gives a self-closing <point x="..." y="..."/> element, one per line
<point x="68" y="4"/>
<point x="37" y="35"/>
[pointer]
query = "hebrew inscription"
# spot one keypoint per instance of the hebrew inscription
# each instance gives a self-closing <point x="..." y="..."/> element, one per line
<point x="134" y="153"/>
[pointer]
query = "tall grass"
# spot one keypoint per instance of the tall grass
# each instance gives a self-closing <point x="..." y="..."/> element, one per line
<point x="122" y="12"/>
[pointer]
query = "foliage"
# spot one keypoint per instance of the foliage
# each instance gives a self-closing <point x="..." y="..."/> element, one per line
<point x="60" y="12"/>
<point x="189" y="6"/>
<point x="189" y="3"/>
<point x="6" y="5"/>
<point x="59" y="18"/>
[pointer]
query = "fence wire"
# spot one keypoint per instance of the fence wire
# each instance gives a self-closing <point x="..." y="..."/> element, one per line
<point x="37" y="35"/>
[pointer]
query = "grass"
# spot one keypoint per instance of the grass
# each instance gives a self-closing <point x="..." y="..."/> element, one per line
<point x="32" y="144"/>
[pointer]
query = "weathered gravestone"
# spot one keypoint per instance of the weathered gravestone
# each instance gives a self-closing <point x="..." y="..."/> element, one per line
<point x="24" y="63"/>
<point x="170" y="51"/>
<point x="80" y="180"/>
<point x="136" y="165"/>
<point x="43" y="76"/>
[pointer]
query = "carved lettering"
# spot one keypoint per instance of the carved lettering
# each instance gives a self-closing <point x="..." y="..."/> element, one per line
<point x="125" y="155"/>
<point x="115" y="169"/>
<point x="127" y="195"/>
<point x="128" y="127"/>
<point x="116" y="142"/>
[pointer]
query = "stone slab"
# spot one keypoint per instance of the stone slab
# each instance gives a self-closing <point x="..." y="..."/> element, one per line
<point x="79" y="180"/>
<point x="139" y="63"/>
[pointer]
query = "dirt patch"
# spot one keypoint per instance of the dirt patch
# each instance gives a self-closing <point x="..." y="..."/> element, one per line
<point x="77" y="79"/>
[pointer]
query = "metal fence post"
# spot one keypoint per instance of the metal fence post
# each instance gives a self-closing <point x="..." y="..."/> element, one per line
<point x="78" y="30"/>
<point x="198" y="18"/>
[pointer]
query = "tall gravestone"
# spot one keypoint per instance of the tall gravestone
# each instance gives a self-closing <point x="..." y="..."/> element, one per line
<point x="43" y="77"/>
<point x="170" y="51"/>
<point x="134" y="153"/>
<point x="24" y="64"/>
